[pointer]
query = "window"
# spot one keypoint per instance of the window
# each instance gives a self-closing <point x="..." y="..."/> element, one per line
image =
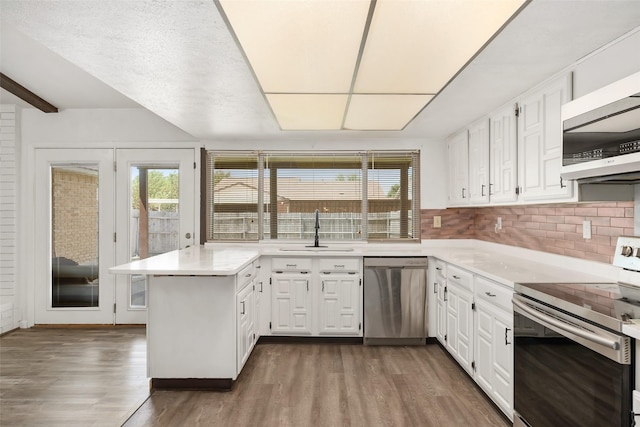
<point x="275" y="196"/>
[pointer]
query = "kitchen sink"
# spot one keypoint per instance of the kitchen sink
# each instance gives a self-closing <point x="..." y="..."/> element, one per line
<point x="314" y="249"/>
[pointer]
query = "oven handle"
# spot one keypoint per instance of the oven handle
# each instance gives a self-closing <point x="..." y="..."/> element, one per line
<point x="566" y="327"/>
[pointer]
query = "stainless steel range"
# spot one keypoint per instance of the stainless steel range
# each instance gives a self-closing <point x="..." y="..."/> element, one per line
<point x="572" y="364"/>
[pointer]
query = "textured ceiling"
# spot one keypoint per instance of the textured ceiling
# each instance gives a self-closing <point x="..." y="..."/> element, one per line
<point x="178" y="60"/>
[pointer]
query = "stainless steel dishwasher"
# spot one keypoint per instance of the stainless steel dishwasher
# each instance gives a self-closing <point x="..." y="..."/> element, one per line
<point x="395" y="300"/>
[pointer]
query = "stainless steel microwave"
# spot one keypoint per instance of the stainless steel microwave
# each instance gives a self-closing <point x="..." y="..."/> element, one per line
<point x="601" y="134"/>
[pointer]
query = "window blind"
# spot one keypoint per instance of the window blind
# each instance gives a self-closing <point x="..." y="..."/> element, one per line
<point x="274" y="195"/>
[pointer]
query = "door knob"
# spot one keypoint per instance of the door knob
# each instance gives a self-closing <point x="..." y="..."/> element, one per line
<point x="187" y="236"/>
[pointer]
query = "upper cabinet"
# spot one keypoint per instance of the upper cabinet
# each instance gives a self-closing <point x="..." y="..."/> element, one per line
<point x="514" y="155"/>
<point x="479" y="162"/>
<point x="459" y="169"/>
<point x="503" y="145"/>
<point x="540" y="143"/>
<point x="469" y="165"/>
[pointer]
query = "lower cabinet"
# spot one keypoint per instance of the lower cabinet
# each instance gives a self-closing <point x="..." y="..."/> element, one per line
<point x="440" y="289"/>
<point x="246" y="314"/>
<point x="200" y="327"/>
<point x="290" y="303"/>
<point x="316" y="296"/>
<point x="459" y="336"/>
<point x="339" y="304"/>
<point x="494" y="354"/>
<point x="474" y="322"/>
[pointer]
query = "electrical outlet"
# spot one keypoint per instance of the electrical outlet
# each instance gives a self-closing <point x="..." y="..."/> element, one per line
<point x="499" y="223"/>
<point x="586" y="229"/>
<point x="437" y="221"/>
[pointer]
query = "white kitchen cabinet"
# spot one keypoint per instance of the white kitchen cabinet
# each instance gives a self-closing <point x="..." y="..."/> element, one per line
<point x="459" y="337"/>
<point x="503" y="145"/>
<point x="540" y="143"/>
<point x="200" y="327"/>
<point x="459" y="169"/>
<point x="291" y="303"/>
<point x="440" y="289"/>
<point x="316" y="296"/>
<point x="479" y="162"/>
<point x="245" y="312"/>
<point x="339" y="304"/>
<point x="494" y="342"/>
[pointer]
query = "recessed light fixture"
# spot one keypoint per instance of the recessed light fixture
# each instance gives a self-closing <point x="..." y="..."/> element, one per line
<point x="359" y="64"/>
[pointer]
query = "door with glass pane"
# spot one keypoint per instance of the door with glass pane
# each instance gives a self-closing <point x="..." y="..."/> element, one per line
<point x="155" y="214"/>
<point x="74" y="229"/>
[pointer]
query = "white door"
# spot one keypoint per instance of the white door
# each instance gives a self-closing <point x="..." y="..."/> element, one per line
<point x="290" y="303"/>
<point x="459" y="169"/>
<point x="154" y="214"/>
<point x="540" y="143"/>
<point x="504" y="162"/>
<point x="339" y="304"/>
<point x="479" y="162"/>
<point x="74" y="226"/>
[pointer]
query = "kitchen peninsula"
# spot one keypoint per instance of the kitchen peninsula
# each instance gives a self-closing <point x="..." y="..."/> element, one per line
<point x="195" y="331"/>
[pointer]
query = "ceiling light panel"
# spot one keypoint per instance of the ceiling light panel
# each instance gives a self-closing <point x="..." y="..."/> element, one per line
<point x="383" y="112"/>
<point x="308" y="111"/>
<point x="417" y="46"/>
<point x="300" y="46"/>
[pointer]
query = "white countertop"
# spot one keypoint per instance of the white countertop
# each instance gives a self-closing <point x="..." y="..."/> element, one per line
<point x="501" y="263"/>
<point x="192" y="261"/>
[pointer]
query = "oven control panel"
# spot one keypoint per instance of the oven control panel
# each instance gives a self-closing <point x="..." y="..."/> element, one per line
<point x="627" y="253"/>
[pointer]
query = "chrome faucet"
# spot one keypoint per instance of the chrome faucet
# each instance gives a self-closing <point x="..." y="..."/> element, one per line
<point x="316" y="239"/>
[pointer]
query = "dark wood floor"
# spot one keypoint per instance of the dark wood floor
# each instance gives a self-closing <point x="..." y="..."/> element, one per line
<point x="332" y="385"/>
<point x="97" y="377"/>
<point x="72" y="377"/>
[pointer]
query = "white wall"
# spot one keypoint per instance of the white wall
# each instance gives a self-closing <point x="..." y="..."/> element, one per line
<point x="108" y="128"/>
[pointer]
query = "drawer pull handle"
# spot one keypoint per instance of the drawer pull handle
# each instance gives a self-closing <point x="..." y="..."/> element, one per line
<point x="489" y="294"/>
<point x="456" y="277"/>
<point x="435" y="287"/>
<point x="323" y="286"/>
<point x="439" y="268"/>
<point x="506" y="338"/>
<point x="242" y="307"/>
<point x="248" y="275"/>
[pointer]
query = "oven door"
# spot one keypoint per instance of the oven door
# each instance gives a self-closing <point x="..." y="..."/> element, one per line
<point x="568" y="372"/>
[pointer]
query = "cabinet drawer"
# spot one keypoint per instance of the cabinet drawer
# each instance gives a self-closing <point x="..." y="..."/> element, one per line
<point x="493" y="292"/>
<point x="339" y="265"/>
<point x="441" y="268"/>
<point x="244" y="276"/>
<point x="291" y="264"/>
<point x="459" y="276"/>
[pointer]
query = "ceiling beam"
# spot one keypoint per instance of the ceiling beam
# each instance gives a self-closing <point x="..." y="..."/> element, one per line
<point x="25" y="94"/>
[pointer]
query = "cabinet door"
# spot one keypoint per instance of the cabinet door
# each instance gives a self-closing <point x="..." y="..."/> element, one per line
<point x="459" y="169"/>
<point x="479" y="162"/>
<point x="460" y="325"/>
<point x="339" y="304"/>
<point x="290" y="303"/>
<point x="245" y="329"/>
<point x="494" y="354"/>
<point x="503" y="361"/>
<point x="441" y="311"/>
<point x="503" y="144"/>
<point x="484" y="347"/>
<point x="540" y="143"/>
